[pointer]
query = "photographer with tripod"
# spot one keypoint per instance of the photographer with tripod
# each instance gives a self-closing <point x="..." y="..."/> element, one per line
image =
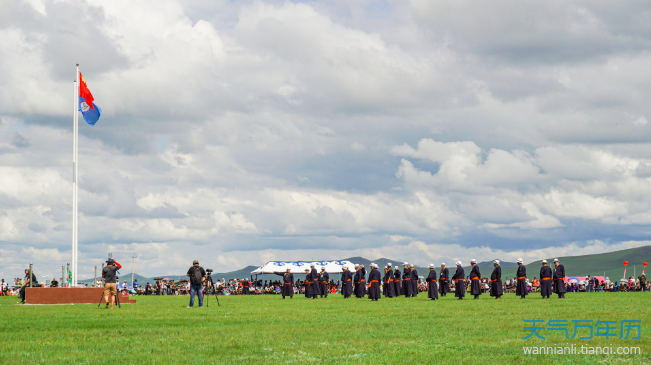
<point x="197" y="275"/>
<point x="110" y="281"/>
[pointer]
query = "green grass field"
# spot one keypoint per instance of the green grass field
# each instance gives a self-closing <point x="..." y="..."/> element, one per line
<point x="269" y="330"/>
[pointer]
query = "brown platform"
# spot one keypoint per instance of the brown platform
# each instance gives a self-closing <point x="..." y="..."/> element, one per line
<point x="68" y="296"/>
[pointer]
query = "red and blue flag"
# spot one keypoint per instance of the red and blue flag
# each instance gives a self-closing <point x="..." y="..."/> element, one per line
<point x="87" y="107"/>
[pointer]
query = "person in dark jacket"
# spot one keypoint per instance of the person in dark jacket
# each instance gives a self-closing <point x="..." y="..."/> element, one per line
<point x="521" y="275"/>
<point x="396" y="282"/>
<point x="545" y="280"/>
<point x="432" y="288"/>
<point x="406" y="280"/>
<point x="459" y="283"/>
<point x="414" y="280"/>
<point x="390" y="282"/>
<point x="362" y="281"/>
<point x="324" y="279"/>
<point x="475" y="279"/>
<point x="559" y="279"/>
<point x="444" y="281"/>
<point x="288" y="280"/>
<point x="358" y="273"/>
<point x="245" y="287"/>
<point x="496" y="281"/>
<point x="385" y="279"/>
<point x="307" y="284"/>
<point x="314" y="276"/>
<point x="346" y="283"/>
<point x="374" y="282"/>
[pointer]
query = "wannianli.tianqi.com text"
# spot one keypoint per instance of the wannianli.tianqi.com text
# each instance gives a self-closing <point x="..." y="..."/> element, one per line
<point x="581" y="350"/>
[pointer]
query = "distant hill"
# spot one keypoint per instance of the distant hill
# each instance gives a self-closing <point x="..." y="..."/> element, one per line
<point x="610" y="263"/>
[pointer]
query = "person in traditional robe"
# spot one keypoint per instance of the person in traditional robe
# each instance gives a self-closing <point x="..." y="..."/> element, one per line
<point x="559" y="279"/>
<point x="459" y="285"/>
<point x="324" y="279"/>
<point x="414" y="280"/>
<point x="245" y="287"/>
<point x="384" y="281"/>
<point x="389" y="283"/>
<point x="362" y="281"/>
<point x="475" y="279"/>
<point x="307" y="284"/>
<point x="374" y="283"/>
<point x="406" y="281"/>
<point x="521" y="285"/>
<point x="358" y="273"/>
<point x="288" y="280"/>
<point x="346" y="283"/>
<point x="444" y="280"/>
<point x="314" y="276"/>
<point x="432" y="288"/>
<point x="396" y="282"/>
<point x="496" y="281"/>
<point x="545" y="280"/>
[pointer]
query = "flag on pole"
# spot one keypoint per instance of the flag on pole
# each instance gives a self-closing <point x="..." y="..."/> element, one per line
<point x="69" y="276"/>
<point x="87" y="107"/>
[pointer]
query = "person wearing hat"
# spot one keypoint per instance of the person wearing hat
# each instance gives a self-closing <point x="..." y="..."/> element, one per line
<point x="324" y="278"/>
<point x="414" y="280"/>
<point x="346" y="283"/>
<point x="406" y="280"/>
<point x="521" y="284"/>
<point x="308" y="289"/>
<point x="362" y="281"/>
<point x="444" y="280"/>
<point x="356" y="281"/>
<point x="545" y="280"/>
<point x="316" y="286"/>
<point x="197" y="275"/>
<point x="388" y="287"/>
<point x="384" y="281"/>
<point x="475" y="279"/>
<point x="496" y="281"/>
<point x="559" y="279"/>
<point x="397" y="288"/>
<point x="459" y="284"/>
<point x="374" y="283"/>
<point x="110" y="281"/>
<point x="432" y="288"/>
<point x="288" y="281"/>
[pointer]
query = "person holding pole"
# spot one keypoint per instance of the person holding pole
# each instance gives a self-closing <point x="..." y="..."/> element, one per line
<point x="110" y="281"/>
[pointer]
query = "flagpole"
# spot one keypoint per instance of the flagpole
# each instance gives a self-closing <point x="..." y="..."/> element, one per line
<point x="75" y="185"/>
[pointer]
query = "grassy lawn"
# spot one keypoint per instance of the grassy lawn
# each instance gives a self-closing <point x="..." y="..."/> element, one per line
<point x="269" y="330"/>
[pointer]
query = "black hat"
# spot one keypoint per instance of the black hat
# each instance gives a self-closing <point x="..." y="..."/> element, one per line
<point x="110" y="261"/>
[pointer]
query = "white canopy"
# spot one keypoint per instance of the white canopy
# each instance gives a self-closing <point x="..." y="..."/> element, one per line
<point x="298" y="267"/>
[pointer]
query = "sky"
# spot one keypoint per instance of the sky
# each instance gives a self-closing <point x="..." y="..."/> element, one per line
<point x="238" y="132"/>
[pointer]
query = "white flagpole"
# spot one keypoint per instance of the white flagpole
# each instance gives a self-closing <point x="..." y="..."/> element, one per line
<point x="75" y="183"/>
<point x="74" y="178"/>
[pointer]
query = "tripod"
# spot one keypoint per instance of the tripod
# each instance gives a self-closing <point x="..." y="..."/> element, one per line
<point x="210" y="284"/>
<point x="117" y="299"/>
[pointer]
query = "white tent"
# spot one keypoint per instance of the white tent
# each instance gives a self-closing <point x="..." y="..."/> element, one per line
<point x="298" y="267"/>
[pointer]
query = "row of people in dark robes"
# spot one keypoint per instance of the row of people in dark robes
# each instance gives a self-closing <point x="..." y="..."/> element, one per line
<point x="405" y="283"/>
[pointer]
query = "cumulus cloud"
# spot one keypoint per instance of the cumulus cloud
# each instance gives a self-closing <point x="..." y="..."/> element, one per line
<point x="241" y="132"/>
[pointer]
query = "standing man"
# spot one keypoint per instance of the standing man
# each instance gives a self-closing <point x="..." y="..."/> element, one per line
<point x="496" y="281"/>
<point x="288" y="280"/>
<point x="559" y="279"/>
<point x="197" y="275"/>
<point x="307" y="284"/>
<point x="384" y="281"/>
<point x="110" y="281"/>
<point x="316" y="286"/>
<point x="444" y="281"/>
<point x="432" y="289"/>
<point x="475" y="277"/>
<point x="414" y="280"/>
<point x="356" y="281"/>
<point x="521" y="284"/>
<point x="374" y="281"/>
<point x="362" y="281"/>
<point x="545" y="280"/>
<point x="346" y="284"/>
<point x="245" y="287"/>
<point x="389" y="283"/>
<point x="324" y="279"/>
<point x="459" y="284"/>
<point x="406" y="280"/>
<point x="396" y="282"/>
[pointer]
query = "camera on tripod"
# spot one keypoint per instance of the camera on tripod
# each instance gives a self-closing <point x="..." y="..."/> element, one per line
<point x="209" y="272"/>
